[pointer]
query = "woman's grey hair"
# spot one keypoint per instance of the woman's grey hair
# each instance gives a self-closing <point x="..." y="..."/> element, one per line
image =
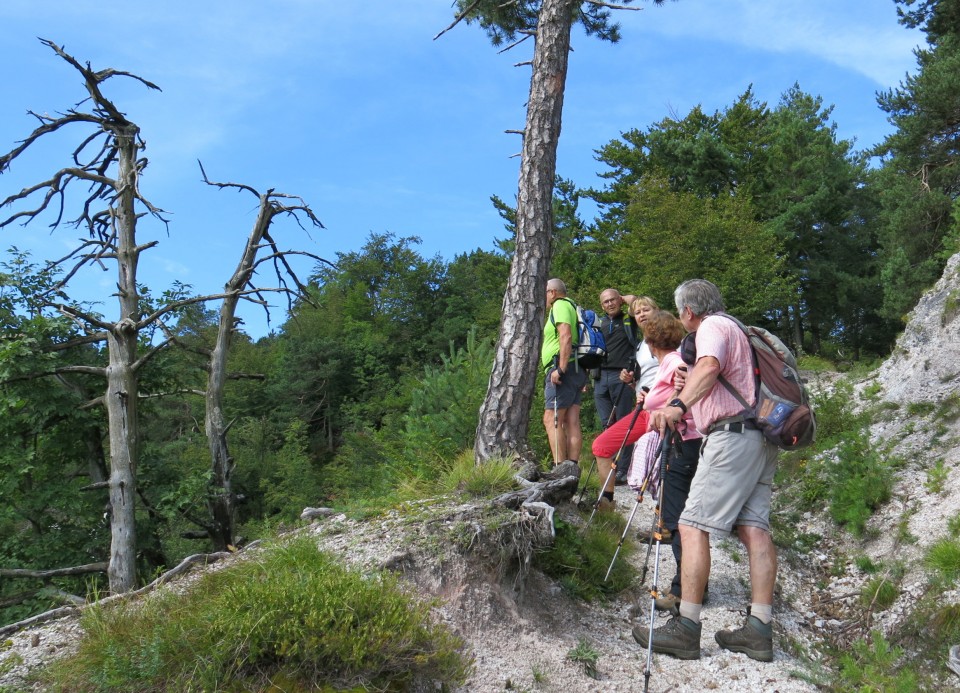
<point x="701" y="296"/>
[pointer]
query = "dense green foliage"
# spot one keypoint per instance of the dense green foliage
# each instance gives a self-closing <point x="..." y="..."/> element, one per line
<point x="292" y="614"/>
<point x="919" y="180"/>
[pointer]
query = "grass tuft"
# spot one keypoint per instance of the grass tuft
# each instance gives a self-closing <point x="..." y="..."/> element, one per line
<point x="579" y="559"/>
<point x="943" y="557"/>
<point x="292" y="613"/>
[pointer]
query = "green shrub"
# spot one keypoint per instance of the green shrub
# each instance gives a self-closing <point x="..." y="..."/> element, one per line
<point x="943" y="557"/>
<point x="442" y="418"/>
<point x="493" y="477"/>
<point x="586" y="655"/>
<point x="953" y="526"/>
<point x="879" y="593"/>
<point x="860" y="481"/>
<point x="835" y="416"/>
<point x="292" y="612"/>
<point x="949" y="407"/>
<point x="920" y="408"/>
<point x="936" y="477"/>
<point x="579" y="559"/>
<point x="871" y="666"/>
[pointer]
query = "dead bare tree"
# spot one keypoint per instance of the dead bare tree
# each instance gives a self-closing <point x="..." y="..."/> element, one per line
<point x="239" y="287"/>
<point x="108" y="158"/>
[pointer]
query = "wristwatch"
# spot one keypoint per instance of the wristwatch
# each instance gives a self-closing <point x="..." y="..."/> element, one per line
<point x="677" y="402"/>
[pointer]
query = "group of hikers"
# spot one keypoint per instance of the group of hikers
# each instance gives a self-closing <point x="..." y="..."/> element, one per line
<point x="674" y="375"/>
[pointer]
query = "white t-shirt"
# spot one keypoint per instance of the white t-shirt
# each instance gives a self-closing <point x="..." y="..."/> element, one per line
<point x="648" y="366"/>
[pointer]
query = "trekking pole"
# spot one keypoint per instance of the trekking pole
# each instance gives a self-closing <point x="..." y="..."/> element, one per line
<point x="652" y="536"/>
<point x="593" y="465"/>
<point x="613" y="466"/>
<point x="613" y="411"/>
<point x="654" y="593"/>
<point x="623" y="536"/>
<point x="556" y="420"/>
<point x="626" y="530"/>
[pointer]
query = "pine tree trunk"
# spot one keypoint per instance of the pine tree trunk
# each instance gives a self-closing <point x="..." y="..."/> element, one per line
<point x="505" y="413"/>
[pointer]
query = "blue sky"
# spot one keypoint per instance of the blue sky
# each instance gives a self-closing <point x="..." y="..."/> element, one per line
<point x="379" y="128"/>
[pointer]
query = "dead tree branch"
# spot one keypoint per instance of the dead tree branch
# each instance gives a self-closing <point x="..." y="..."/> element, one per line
<point x="54" y="572"/>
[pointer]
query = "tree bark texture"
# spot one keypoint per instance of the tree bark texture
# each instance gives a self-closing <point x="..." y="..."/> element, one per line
<point x="504" y="419"/>
<point x="122" y="379"/>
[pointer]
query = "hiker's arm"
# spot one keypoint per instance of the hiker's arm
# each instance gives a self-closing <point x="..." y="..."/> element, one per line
<point x="566" y="344"/>
<point x="699" y="382"/>
<point x="628" y="302"/>
<point x="566" y="348"/>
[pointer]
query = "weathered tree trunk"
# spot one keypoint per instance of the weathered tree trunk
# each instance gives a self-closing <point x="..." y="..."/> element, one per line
<point x="221" y="499"/>
<point x="220" y="502"/>
<point x="122" y="379"/>
<point x="505" y="413"/>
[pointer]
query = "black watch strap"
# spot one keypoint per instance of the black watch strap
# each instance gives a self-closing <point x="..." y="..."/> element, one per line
<point x="677" y="402"/>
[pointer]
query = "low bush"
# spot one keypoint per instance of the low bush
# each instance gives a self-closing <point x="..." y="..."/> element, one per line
<point x="293" y="613"/>
<point x="580" y="557"/>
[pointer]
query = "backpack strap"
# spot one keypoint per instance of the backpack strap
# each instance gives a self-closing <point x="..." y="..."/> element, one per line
<point x="747" y="409"/>
<point x="574" y="335"/>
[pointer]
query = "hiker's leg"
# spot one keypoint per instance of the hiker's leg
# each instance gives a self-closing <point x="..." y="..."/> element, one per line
<point x="574" y="435"/>
<point x="555" y="433"/>
<point x="753" y="526"/>
<point x="763" y="563"/>
<point x="695" y="569"/>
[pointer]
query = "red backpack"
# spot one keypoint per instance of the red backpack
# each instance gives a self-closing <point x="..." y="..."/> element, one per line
<point x="782" y="412"/>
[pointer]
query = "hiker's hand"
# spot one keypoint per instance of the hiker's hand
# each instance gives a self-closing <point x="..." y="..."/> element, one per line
<point x="626" y="376"/>
<point x="666" y="417"/>
<point x="556" y="376"/>
<point x="679" y="377"/>
<point x="641" y="396"/>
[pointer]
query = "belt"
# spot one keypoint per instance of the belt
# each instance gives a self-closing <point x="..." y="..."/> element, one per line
<point x="613" y="368"/>
<point x="731" y="426"/>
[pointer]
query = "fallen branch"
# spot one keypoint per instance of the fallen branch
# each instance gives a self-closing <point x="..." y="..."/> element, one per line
<point x="185" y="565"/>
<point x="55" y="572"/>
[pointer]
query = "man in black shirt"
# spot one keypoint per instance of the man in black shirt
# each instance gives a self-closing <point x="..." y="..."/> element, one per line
<point x="613" y="398"/>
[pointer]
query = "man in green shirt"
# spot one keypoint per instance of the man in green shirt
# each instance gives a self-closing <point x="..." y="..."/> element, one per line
<point x="564" y="379"/>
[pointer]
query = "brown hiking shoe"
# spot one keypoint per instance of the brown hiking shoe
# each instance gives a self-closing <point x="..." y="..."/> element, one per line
<point x="679" y="638"/>
<point x="646" y="536"/>
<point x="754" y="639"/>
<point x="668" y="602"/>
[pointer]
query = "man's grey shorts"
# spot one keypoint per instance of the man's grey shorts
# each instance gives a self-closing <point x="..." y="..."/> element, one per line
<point x="733" y="483"/>
<point x="568" y="392"/>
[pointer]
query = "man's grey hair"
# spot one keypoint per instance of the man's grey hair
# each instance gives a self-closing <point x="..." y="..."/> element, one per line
<point x="701" y="296"/>
<point x="558" y="286"/>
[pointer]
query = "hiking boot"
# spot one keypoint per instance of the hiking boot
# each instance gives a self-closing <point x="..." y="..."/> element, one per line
<point x="647" y="536"/>
<point x="754" y="639"/>
<point x="620" y="479"/>
<point x="679" y="638"/>
<point x="669" y="602"/>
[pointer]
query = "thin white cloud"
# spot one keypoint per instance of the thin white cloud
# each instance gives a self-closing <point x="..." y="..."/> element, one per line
<point x="857" y="36"/>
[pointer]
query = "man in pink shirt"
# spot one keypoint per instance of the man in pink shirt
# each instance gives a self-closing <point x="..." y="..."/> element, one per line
<point x="733" y="482"/>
